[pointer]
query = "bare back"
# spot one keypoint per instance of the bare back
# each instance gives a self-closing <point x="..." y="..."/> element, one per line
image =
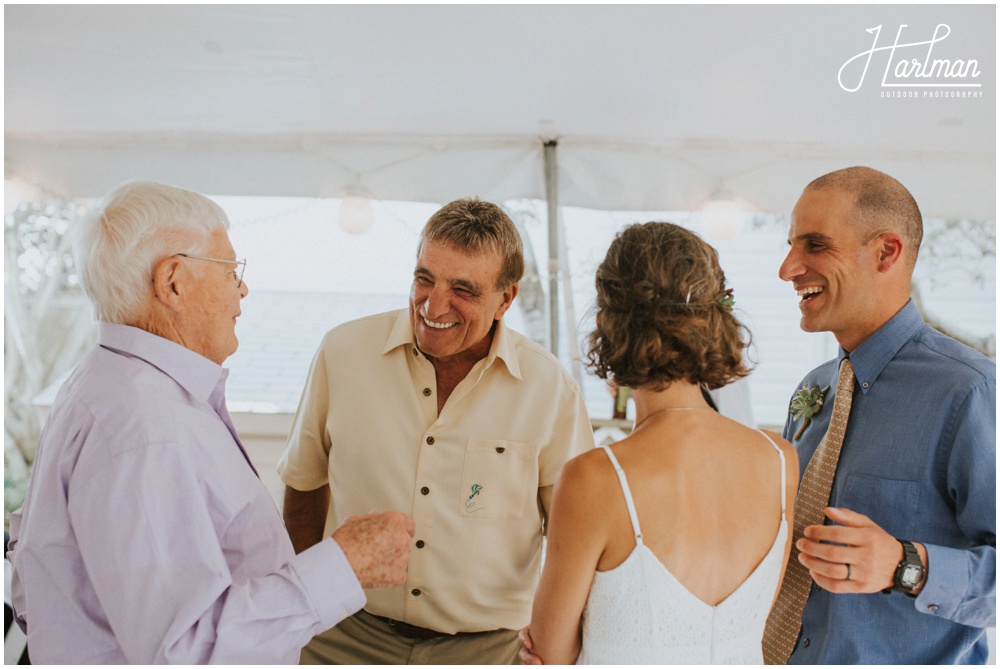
<point x="707" y="494"/>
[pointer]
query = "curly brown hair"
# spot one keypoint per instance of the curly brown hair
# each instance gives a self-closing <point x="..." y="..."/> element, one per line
<point x="661" y="315"/>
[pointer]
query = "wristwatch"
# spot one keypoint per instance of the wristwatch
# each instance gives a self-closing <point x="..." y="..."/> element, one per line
<point x="909" y="572"/>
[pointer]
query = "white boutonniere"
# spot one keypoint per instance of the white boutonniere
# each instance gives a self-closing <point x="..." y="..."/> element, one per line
<point x="805" y="405"/>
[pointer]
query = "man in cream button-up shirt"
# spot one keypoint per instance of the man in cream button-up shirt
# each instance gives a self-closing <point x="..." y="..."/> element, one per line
<point x="441" y="412"/>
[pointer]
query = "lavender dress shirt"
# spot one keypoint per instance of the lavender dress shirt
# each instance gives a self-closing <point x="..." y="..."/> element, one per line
<point x="146" y="536"/>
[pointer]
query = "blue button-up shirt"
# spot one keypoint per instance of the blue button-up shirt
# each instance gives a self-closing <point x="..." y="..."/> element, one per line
<point x="146" y="536"/>
<point x="919" y="459"/>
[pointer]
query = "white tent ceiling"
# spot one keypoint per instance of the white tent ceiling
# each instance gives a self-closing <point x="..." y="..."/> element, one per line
<point x="654" y="107"/>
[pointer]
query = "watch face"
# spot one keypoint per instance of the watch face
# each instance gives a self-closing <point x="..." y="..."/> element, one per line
<point x="911" y="575"/>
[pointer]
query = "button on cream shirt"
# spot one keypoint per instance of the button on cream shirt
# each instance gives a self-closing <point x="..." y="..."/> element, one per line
<point x="477" y="479"/>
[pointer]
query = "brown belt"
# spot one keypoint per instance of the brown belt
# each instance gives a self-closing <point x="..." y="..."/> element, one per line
<point x="413" y="631"/>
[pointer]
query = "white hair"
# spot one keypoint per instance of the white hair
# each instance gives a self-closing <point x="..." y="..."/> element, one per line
<point x="135" y="226"/>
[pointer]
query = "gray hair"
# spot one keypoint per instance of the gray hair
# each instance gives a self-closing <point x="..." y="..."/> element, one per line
<point x="475" y="226"/>
<point x="136" y="225"/>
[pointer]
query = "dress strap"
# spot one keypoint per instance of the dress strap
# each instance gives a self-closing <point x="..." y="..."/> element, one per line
<point x="781" y="454"/>
<point x="628" y="495"/>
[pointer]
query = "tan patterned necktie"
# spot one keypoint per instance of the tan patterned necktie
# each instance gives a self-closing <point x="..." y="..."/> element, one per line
<point x="785" y="621"/>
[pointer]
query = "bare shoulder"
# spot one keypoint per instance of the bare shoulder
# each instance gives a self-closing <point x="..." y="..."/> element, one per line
<point x="785" y="446"/>
<point x="588" y="465"/>
<point x="752" y="437"/>
<point x="791" y="461"/>
<point x="579" y="515"/>
<point x="586" y="474"/>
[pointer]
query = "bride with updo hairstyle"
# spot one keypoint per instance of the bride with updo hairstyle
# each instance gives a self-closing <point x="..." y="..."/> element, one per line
<point x="663" y="313"/>
<point x="670" y="545"/>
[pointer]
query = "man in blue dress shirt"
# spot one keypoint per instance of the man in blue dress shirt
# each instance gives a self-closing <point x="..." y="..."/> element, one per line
<point x="906" y="571"/>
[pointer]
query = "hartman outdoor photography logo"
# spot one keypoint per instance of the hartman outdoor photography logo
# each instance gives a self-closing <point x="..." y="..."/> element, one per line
<point x="914" y="66"/>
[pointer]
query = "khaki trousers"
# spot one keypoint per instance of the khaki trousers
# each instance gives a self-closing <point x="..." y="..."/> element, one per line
<point x="364" y="639"/>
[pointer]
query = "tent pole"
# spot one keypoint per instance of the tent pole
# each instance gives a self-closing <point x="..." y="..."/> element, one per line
<point x="552" y="201"/>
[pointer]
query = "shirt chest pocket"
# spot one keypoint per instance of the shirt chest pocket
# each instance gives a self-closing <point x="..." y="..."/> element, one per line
<point x="499" y="479"/>
<point x="892" y="504"/>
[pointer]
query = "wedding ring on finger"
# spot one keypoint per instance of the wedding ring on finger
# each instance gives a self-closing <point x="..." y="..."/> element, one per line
<point x="848" y="577"/>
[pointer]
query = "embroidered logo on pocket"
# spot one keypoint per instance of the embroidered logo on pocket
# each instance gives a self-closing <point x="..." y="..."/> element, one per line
<point x="471" y="505"/>
<point x="499" y="479"/>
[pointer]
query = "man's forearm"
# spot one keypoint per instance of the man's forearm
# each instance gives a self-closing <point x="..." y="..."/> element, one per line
<point x="305" y="515"/>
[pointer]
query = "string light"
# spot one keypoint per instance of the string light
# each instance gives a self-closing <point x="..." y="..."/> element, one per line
<point x="723" y="216"/>
<point x="355" y="215"/>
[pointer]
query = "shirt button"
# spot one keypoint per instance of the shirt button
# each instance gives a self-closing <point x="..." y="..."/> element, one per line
<point x="425" y="491"/>
<point x="427" y="392"/>
<point x="414" y="351"/>
<point x="932" y="607"/>
<point x="415" y="592"/>
<point x="500" y="449"/>
<point x="864" y="385"/>
<point x="420" y="543"/>
<point x="430" y="441"/>
<point x="805" y="643"/>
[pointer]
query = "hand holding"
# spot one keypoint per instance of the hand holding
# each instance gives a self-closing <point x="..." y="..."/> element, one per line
<point x="378" y="547"/>
<point x="525" y="654"/>
<point x="856" y="556"/>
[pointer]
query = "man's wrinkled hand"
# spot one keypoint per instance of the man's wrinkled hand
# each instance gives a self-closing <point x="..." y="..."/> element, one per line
<point x="378" y="547"/>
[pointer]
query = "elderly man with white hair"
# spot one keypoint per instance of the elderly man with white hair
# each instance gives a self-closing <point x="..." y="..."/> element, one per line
<point x="146" y="535"/>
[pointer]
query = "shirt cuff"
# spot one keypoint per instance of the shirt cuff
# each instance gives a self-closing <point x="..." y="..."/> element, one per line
<point x="942" y="593"/>
<point x="329" y="580"/>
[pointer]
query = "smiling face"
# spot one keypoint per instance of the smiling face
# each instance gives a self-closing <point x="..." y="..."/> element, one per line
<point x="454" y="302"/>
<point x="215" y="302"/>
<point x="833" y="270"/>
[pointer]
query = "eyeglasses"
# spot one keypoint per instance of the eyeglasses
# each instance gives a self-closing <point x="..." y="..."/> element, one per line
<point x="242" y="264"/>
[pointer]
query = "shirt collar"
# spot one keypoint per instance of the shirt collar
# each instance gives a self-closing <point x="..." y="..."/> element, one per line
<point x="874" y="353"/>
<point x="196" y="374"/>
<point x="502" y="346"/>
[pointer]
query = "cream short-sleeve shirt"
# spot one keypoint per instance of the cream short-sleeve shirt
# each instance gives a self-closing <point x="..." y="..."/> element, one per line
<point x="477" y="478"/>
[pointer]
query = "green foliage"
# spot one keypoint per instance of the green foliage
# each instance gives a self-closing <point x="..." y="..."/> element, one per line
<point x="806" y="404"/>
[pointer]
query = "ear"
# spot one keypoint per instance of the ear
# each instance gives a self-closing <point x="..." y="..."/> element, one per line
<point x="508" y="298"/>
<point x="889" y="249"/>
<point x="168" y="284"/>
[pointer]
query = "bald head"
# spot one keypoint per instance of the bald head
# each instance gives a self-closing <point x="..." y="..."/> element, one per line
<point x="881" y="204"/>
